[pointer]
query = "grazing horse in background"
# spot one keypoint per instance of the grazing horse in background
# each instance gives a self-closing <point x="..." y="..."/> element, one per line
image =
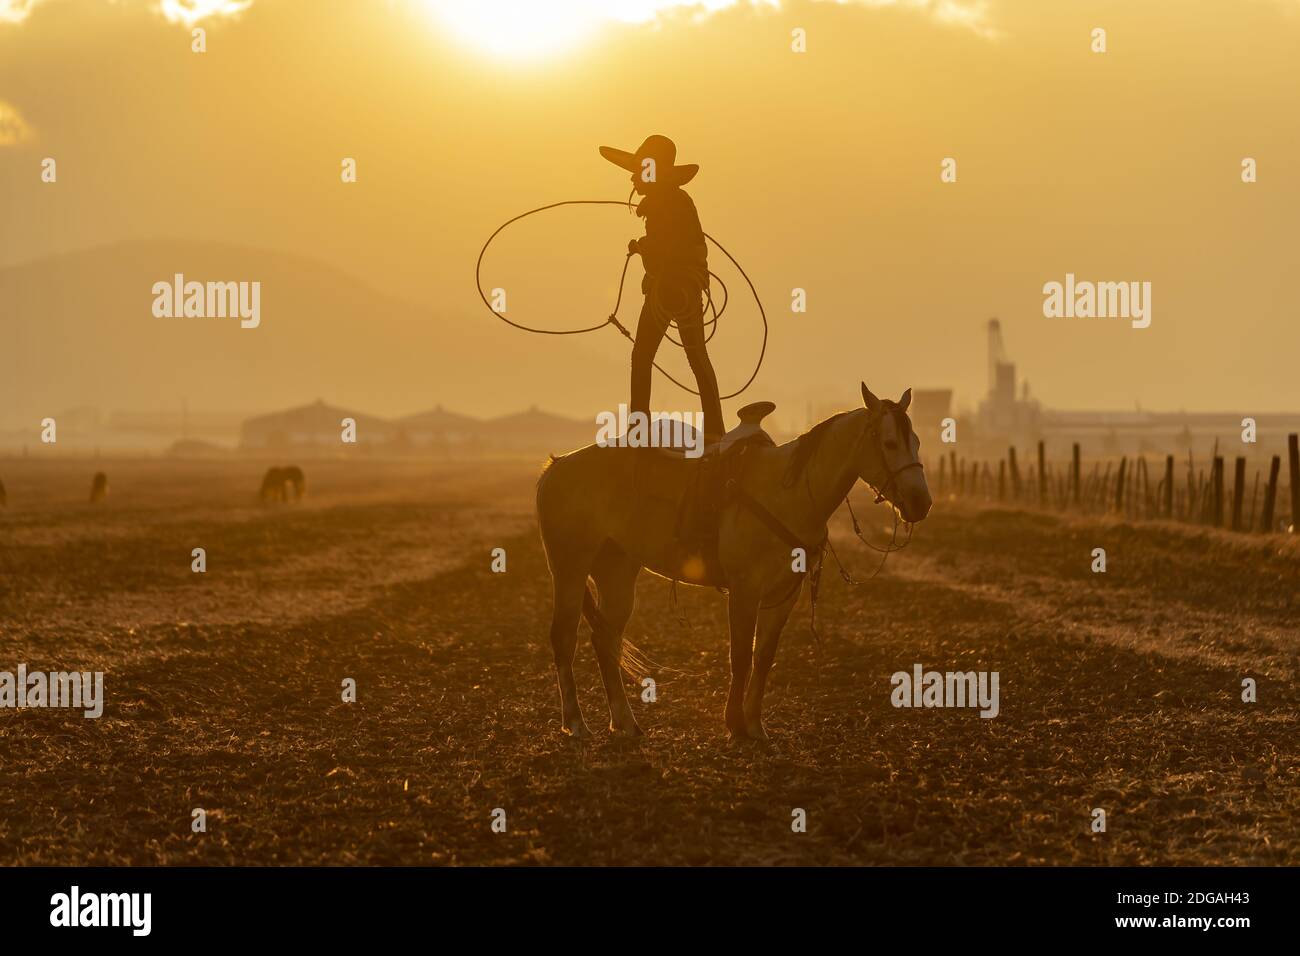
<point x="594" y="523"/>
<point x="293" y="476"/>
<point x="272" y="485"/>
<point x="277" y="482"/>
<point x="98" y="487"/>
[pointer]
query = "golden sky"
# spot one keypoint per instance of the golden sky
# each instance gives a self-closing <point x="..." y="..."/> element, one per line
<point x="819" y="170"/>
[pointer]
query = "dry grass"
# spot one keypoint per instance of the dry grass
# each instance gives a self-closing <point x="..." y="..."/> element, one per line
<point x="1118" y="690"/>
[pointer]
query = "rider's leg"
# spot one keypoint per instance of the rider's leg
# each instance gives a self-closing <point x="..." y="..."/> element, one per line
<point x="692" y="333"/>
<point x="649" y="333"/>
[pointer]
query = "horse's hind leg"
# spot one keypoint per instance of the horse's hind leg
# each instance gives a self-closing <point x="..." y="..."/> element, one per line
<point x="615" y="575"/>
<point x="569" y="589"/>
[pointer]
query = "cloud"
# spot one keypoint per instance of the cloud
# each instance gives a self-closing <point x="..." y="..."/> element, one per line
<point x="190" y="12"/>
<point x="970" y="14"/>
<point x="518" y="26"/>
<point x="15" y="11"/>
<point x="13" y="128"/>
<point x="187" y="12"/>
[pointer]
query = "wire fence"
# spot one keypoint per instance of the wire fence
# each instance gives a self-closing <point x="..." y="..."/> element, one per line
<point x="1172" y="489"/>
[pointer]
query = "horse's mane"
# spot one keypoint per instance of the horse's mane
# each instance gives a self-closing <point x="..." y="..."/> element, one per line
<point x="805" y="445"/>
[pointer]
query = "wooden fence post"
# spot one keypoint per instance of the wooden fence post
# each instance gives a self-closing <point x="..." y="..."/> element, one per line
<point x="1217" y="491"/>
<point x="1293" y="453"/>
<point x="1270" y="495"/>
<point x="1254" y="500"/>
<point x="1015" y="472"/>
<point x="1119" y="486"/>
<point x="1002" y="478"/>
<point x="1042" y="477"/>
<point x="1238" y="490"/>
<point x="1169" y="486"/>
<point x="1074" y="475"/>
<point x="1146" y="489"/>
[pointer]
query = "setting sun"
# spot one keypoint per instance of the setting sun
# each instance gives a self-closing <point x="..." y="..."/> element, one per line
<point x="522" y="28"/>
<point x="519" y="27"/>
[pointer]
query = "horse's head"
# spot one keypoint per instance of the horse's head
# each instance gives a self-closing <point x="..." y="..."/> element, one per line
<point x="888" y="457"/>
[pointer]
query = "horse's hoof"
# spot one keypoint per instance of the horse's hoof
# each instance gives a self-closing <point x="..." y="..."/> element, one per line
<point x="736" y="725"/>
<point x="630" y="730"/>
<point x="579" y="731"/>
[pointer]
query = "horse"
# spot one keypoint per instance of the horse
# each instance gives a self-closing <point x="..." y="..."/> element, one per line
<point x="272" y="485"/>
<point x="277" y="480"/>
<point x="293" y="477"/>
<point x="594" y="526"/>
<point x="98" y="487"/>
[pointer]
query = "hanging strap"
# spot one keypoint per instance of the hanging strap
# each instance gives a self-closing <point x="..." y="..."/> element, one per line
<point x="772" y="522"/>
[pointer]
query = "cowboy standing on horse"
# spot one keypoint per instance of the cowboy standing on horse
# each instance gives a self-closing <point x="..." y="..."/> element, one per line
<point x="675" y="258"/>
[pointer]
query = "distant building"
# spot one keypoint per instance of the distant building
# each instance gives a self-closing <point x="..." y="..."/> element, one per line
<point x="438" y="432"/>
<point x="1007" y="419"/>
<point x="1129" y="432"/>
<point x="930" y="406"/>
<point x="537" y="431"/>
<point x="1002" y="416"/>
<point x="312" y="426"/>
<point x="191" y="448"/>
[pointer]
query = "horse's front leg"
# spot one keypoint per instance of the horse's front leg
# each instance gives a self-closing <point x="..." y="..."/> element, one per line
<point x="771" y="621"/>
<point x="742" y="616"/>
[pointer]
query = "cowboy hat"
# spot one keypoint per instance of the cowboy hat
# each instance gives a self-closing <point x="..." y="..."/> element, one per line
<point x="664" y="153"/>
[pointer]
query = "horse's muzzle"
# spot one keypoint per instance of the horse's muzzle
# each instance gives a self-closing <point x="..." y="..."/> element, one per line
<point x="915" y="505"/>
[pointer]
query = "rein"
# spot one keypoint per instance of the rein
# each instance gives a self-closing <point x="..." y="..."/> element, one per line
<point x="890" y="482"/>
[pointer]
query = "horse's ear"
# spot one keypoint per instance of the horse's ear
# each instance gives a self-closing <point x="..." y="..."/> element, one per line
<point x="868" y="399"/>
<point x="905" y="400"/>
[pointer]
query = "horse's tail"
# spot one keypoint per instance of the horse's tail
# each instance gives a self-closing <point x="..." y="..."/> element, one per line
<point x="634" y="663"/>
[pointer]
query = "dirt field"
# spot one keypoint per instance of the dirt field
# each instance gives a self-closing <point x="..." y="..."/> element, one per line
<point x="1120" y="691"/>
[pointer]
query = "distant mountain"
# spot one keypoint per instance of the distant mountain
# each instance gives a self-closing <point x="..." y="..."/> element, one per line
<point x="77" y="330"/>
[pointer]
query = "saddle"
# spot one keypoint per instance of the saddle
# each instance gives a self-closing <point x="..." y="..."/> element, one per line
<point x="698" y="489"/>
<point x="749" y="430"/>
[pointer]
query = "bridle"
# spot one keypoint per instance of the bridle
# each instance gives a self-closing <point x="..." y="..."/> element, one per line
<point x="781" y="531"/>
<point x="891" y="477"/>
<point x="872" y="429"/>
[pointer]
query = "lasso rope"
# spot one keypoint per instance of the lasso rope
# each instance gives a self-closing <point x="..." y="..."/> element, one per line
<point x="613" y="316"/>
